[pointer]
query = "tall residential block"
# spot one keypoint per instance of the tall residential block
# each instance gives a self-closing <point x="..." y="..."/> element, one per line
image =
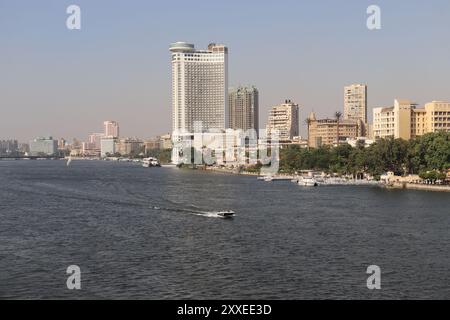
<point x="111" y="129"/>
<point x="199" y="86"/>
<point x="284" y="119"/>
<point x="355" y="102"/>
<point x="108" y="146"/>
<point x="8" y="147"/>
<point x="406" y="121"/>
<point x="243" y="108"/>
<point x="95" y="140"/>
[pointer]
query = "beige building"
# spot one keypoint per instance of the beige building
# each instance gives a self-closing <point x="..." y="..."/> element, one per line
<point x="166" y="141"/>
<point x="152" y="144"/>
<point x="437" y="116"/>
<point x="160" y="142"/>
<point x="355" y="102"/>
<point x="404" y="120"/>
<point x="328" y="132"/>
<point x="127" y="146"/>
<point x="284" y="119"/>
<point x="89" y="149"/>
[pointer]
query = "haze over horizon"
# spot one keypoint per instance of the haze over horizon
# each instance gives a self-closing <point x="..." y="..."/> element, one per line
<point x="65" y="83"/>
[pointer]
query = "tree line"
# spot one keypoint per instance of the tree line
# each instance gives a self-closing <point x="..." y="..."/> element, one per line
<point x="425" y="155"/>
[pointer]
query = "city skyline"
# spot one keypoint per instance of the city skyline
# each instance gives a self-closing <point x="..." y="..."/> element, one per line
<point x="53" y="76"/>
<point x="225" y="158"/>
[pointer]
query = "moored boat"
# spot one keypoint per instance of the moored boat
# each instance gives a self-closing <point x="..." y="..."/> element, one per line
<point x="308" y="182"/>
<point x="150" y="162"/>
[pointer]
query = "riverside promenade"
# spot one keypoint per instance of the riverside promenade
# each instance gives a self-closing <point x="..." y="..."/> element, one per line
<point x="417" y="186"/>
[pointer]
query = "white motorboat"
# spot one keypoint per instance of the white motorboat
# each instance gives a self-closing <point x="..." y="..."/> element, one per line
<point x="150" y="162"/>
<point x="308" y="182"/>
<point x="226" y="214"/>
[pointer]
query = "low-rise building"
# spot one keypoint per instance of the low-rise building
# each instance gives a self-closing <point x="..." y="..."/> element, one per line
<point x="332" y="132"/>
<point x="152" y="144"/>
<point x="299" y="141"/>
<point x="43" y="146"/>
<point x="163" y="142"/>
<point x="406" y="121"/>
<point x="166" y="141"/>
<point x="366" y="142"/>
<point x="90" y="149"/>
<point x="128" y="146"/>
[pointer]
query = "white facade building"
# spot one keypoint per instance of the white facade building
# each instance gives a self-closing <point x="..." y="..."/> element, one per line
<point x="111" y="129"/>
<point x="360" y="140"/>
<point x="284" y="119"/>
<point x="43" y="146"/>
<point x="108" y="146"/>
<point x="199" y="87"/>
<point x="199" y="92"/>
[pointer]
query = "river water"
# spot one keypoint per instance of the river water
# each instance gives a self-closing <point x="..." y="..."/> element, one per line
<point x="140" y="233"/>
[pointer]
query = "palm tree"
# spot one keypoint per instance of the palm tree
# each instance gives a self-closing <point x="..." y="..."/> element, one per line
<point x="338" y="116"/>
<point x="308" y="123"/>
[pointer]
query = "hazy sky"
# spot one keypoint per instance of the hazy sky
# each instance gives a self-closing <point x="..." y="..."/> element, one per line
<point x="54" y="81"/>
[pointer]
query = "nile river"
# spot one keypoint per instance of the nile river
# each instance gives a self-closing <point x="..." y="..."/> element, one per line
<point x="136" y="234"/>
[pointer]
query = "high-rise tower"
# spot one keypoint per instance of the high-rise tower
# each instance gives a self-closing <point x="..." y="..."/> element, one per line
<point x="243" y="108"/>
<point x="355" y="102"/>
<point x="111" y="129"/>
<point x="199" y="87"/>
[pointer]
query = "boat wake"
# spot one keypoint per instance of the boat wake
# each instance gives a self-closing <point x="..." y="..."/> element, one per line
<point x="225" y="214"/>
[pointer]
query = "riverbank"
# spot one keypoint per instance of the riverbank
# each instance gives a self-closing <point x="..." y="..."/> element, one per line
<point x="422" y="187"/>
<point x="225" y="170"/>
<point x="392" y="185"/>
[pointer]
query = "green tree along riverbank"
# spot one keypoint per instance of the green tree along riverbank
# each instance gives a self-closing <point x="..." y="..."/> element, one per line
<point x="428" y="153"/>
<point x="163" y="155"/>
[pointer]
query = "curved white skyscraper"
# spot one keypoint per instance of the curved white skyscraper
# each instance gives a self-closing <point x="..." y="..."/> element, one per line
<point x="199" y="87"/>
